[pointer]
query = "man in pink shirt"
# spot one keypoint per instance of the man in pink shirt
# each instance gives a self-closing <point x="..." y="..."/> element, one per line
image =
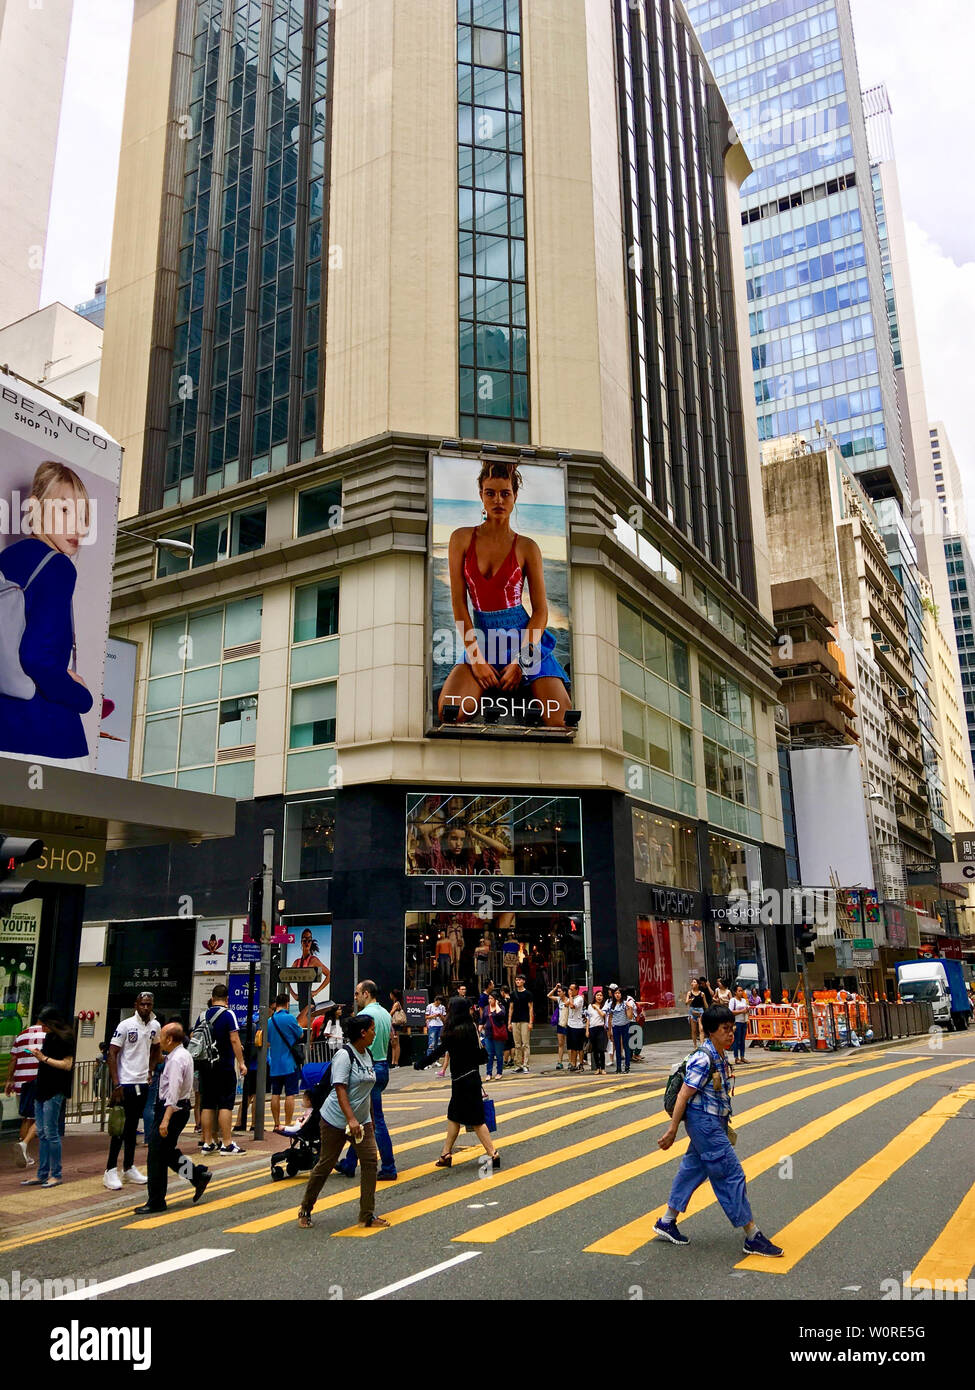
<point x="21" y="1080"/>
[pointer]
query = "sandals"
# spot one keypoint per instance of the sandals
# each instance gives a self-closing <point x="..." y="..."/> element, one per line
<point x="444" y="1161"/>
<point x="375" y="1220"/>
<point x="304" y="1219"/>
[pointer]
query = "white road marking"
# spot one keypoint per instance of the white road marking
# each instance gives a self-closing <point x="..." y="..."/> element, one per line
<point x="195" y="1257"/>
<point x="416" y="1278"/>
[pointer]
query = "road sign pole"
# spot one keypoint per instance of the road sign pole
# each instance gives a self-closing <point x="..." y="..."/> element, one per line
<point x="267" y="919"/>
<point x="358" y="941"/>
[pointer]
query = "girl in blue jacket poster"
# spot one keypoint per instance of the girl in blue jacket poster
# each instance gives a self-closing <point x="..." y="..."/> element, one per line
<point x="49" y="724"/>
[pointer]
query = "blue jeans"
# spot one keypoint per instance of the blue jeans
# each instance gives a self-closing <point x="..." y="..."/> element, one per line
<point x="47" y="1117"/>
<point x="384" y="1144"/>
<point x="711" y="1158"/>
<point x="621" y="1047"/>
<point x="495" y="1051"/>
<point x="740" y="1029"/>
<point x="433" y="1037"/>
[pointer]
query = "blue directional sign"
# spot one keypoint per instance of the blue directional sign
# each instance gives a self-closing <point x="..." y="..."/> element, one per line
<point x="357" y="940"/>
<point x="243" y="952"/>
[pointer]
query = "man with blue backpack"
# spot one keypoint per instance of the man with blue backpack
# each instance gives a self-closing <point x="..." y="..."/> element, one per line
<point x="699" y="1092"/>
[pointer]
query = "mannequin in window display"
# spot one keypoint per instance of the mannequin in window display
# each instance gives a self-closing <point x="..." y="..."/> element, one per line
<point x="511" y="954"/>
<point x="444" y="954"/>
<point x="667" y="866"/>
<point x="482" y="962"/>
<point x="455" y="935"/>
<point x="641" y="854"/>
<point x="556" y="955"/>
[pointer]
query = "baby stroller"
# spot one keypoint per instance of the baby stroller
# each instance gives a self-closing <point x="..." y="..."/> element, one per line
<point x="305" y="1146"/>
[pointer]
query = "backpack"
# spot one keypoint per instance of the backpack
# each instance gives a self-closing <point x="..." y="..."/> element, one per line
<point x="14" y="680"/>
<point x="676" y="1080"/>
<point x="322" y="1087"/>
<point x="202" y="1045"/>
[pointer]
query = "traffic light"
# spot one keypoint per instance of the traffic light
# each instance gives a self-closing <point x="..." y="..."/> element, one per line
<point x="806" y="940"/>
<point x="15" y="851"/>
<point x="255" y="908"/>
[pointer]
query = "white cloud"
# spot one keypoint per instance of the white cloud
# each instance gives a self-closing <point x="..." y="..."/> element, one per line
<point x="944" y="304"/>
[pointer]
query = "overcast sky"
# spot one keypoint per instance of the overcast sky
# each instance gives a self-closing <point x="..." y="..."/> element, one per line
<point x="921" y="51"/>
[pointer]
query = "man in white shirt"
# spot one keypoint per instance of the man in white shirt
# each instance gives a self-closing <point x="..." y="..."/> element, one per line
<point x="172" y="1111"/>
<point x="132" y="1056"/>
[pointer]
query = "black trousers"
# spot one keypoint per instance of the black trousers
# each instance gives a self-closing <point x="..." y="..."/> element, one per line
<point x="164" y="1155"/>
<point x="597" y="1046"/>
<point x="133" y="1103"/>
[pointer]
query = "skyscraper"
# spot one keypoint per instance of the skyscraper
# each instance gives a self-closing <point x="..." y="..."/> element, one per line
<point x="364" y="248"/>
<point x="33" y="53"/>
<point x="817" y="314"/>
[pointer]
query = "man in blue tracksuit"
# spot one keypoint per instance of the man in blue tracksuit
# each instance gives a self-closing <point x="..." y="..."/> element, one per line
<point x="704" y="1104"/>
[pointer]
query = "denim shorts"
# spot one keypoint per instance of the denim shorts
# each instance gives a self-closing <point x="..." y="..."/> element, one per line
<point x="25" y="1103"/>
<point x="695" y="1013"/>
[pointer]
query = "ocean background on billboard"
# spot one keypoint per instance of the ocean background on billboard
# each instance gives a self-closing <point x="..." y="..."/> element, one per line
<point x="544" y="520"/>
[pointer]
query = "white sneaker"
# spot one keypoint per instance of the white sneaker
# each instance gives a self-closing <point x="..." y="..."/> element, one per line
<point x="22" y="1161"/>
<point x="112" y="1180"/>
<point x="133" y="1175"/>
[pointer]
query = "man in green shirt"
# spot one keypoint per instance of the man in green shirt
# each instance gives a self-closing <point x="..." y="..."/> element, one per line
<point x="367" y="1003"/>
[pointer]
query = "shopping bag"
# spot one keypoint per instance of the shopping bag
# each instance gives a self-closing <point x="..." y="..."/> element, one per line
<point x="116" y="1122"/>
<point x="490" y="1118"/>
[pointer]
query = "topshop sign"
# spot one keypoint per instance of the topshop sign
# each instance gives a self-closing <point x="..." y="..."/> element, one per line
<point x="500" y="894"/>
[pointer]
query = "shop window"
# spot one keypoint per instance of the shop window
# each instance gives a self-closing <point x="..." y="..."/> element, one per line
<point x="735" y="865"/>
<point x="664" y="851"/>
<point x="309" y="838"/>
<point x="670" y="953"/>
<point x="511" y="835"/>
<point x="548" y="948"/>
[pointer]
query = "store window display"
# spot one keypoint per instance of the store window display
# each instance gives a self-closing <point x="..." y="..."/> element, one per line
<point x="664" y="851"/>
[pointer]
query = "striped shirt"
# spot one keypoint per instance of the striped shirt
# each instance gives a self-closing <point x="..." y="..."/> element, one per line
<point x="25" y="1066"/>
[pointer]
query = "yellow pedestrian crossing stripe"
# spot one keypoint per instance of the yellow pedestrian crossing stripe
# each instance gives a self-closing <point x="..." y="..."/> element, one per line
<point x="602" y="1182"/>
<point x="818" y="1221"/>
<point x="632" y="1236"/>
<point x="952" y="1256"/>
<point x="399" y="1215"/>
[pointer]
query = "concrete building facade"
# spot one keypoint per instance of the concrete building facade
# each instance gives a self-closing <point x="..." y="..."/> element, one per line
<point x="33" y="54"/>
<point x="350" y="240"/>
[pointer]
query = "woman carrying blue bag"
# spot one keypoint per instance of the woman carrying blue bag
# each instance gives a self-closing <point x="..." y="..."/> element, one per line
<point x="468" y="1104"/>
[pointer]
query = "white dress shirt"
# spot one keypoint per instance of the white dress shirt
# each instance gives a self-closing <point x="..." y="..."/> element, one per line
<point x="176" y="1082"/>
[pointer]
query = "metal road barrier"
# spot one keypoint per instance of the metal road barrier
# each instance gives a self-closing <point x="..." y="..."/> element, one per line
<point x="90" y="1084"/>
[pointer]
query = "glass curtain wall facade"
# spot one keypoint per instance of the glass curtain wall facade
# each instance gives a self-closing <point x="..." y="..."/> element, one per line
<point x="245" y="371"/>
<point x="687" y="447"/>
<point x="494" y="402"/>
<point x="961" y="586"/>
<point x="819" y="335"/>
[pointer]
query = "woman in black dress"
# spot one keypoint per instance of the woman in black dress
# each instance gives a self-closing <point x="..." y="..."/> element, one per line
<point x="463" y="1046"/>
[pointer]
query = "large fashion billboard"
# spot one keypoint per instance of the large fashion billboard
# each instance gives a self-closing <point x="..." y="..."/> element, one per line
<point x="499" y="601"/>
<point x="59" y="482"/>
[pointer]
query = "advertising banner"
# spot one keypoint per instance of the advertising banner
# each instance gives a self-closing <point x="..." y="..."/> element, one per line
<point x="656" y="983"/>
<point x="115" y="735"/>
<point x="312" y="946"/>
<point x="59" y="482"/>
<point x="212" y="941"/>
<point x="18" y="945"/>
<point x="499" y="555"/>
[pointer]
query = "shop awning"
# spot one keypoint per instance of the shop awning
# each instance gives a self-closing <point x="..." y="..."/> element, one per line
<point x="35" y="799"/>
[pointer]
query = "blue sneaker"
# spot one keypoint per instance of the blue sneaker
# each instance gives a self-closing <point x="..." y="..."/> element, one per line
<point x="669" y="1231"/>
<point x="386" y="1177"/>
<point x="761" y="1245"/>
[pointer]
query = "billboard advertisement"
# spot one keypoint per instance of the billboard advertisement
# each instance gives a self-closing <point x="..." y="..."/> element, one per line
<point x="499" y="593"/>
<point x="312" y="946"/>
<point x="59" y="481"/>
<point x="831" y="820"/>
<point x="118" y="701"/>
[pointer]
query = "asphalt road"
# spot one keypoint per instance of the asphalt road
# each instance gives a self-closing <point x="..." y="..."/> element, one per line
<point x="860" y="1165"/>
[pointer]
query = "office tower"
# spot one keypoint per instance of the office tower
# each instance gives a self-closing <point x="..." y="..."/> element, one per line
<point x="817" y="313"/>
<point x="33" y="52"/>
<point x="946" y="476"/>
<point x="358" y="272"/>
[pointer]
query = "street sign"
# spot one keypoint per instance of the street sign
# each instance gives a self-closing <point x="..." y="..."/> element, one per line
<point x="863" y="943"/>
<point x="300" y="975"/>
<point x="957" y="872"/>
<point x="243" y="952"/>
<point x="358" y="938"/>
<point x="280" y="937"/>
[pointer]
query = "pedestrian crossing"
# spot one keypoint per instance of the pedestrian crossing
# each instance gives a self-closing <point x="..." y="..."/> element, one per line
<point x="587" y="1148"/>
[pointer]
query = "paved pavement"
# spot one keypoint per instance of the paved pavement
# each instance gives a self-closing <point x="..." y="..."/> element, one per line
<point x="859" y="1164"/>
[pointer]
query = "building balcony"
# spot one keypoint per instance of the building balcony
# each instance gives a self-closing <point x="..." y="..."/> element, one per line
<point x="809" y="716"/>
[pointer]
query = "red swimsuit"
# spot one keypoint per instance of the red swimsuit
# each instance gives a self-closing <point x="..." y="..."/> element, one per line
<point x="492" y="593"/>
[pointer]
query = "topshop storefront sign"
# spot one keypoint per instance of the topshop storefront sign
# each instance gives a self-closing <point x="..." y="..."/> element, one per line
<point x="501" y="894"/>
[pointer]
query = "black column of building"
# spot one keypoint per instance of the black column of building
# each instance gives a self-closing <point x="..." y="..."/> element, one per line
<point x="56" y="981"/>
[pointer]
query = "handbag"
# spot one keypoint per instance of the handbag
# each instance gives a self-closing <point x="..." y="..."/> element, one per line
<point x="490" y="1118"/>
<point x="116" y="1121"/>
